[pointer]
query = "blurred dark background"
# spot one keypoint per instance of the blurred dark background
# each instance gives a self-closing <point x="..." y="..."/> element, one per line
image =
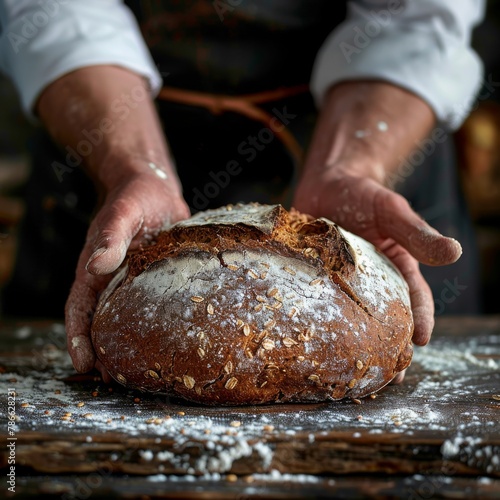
<point x="477" y="145"/>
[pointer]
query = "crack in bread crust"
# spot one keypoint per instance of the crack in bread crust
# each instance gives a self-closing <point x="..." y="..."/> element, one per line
<point x="288" y="233"/>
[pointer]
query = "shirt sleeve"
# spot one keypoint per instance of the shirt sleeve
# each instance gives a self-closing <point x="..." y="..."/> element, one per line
<point x="42" y="40"/>
<point x="423" y="46"/>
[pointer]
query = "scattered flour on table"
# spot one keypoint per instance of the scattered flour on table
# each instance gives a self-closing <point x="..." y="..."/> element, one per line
<point x="273" y="475"/>
<point x="470" y="450"/>
<point x="446" y="359"/>
<point x="23" y="333"/>
<point x="224" y="439"/>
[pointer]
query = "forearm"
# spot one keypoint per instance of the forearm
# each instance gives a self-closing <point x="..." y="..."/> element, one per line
<point x="106" y="115"/>
<point x="365" y="129"/>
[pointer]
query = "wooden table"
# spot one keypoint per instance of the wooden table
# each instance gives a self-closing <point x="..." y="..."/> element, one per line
<point x="435" y="436"/>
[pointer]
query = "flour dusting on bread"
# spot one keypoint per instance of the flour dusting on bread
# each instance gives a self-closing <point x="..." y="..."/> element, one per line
<point x="252" y="304"/>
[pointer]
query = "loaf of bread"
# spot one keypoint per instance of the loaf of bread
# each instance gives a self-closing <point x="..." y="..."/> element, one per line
<point x="252" y="304"/>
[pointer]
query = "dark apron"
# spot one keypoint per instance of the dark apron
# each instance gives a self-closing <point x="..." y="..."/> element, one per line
<point x="257" y="56"/>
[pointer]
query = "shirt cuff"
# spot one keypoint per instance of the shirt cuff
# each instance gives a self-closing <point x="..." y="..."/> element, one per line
<point x="79" y="34"/>
<point x="426" y="59"/>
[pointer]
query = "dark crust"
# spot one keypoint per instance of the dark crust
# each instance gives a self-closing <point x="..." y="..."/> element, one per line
<point x="143" y="353"/>
<point x="287" y="232"/>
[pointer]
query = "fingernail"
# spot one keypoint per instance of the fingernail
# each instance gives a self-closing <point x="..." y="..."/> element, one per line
<point x="97" y="253"/>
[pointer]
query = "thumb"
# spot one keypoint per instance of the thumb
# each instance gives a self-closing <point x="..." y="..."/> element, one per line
<point x="112" y="231"/>
<point x="397" y="220"/>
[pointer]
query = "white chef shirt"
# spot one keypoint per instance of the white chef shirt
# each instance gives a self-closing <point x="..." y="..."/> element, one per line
<point x="420" y="45"/>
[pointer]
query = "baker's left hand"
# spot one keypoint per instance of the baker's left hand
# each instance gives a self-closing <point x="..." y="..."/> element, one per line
<point x="385" y="218"/>
<point x="364" y="129"/>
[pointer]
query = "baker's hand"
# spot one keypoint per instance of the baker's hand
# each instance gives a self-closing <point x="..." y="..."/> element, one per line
<point x="383" y="217"/>
<point x="109" y="112"/>
<point x="132" y="212"/>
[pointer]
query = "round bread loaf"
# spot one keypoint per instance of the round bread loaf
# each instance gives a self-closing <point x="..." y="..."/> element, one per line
<point x="252" y="304"/>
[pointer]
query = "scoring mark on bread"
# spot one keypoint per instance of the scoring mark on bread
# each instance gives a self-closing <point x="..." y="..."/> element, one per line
<point x="345" y="288"/>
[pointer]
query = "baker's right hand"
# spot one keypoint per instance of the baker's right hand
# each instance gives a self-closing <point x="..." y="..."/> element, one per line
<point x="132" y="213"/>
<point x="130" y="163"/>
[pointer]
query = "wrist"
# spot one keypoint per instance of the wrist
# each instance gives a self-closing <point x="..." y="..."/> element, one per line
<point x="364" y="129"/>
<point x="115" y="171"/>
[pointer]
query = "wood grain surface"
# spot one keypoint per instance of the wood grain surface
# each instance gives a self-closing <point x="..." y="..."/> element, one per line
<point x="437" y="435"/>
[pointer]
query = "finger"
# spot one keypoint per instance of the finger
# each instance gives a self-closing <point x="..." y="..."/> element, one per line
<point x="422" y="303"/>
<point x="116" y="224"/>
<point x="398" y="378"/>
<point x="397" y="220"/>
<point x="106" y="377"/>
<point x="78" y="315"/>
